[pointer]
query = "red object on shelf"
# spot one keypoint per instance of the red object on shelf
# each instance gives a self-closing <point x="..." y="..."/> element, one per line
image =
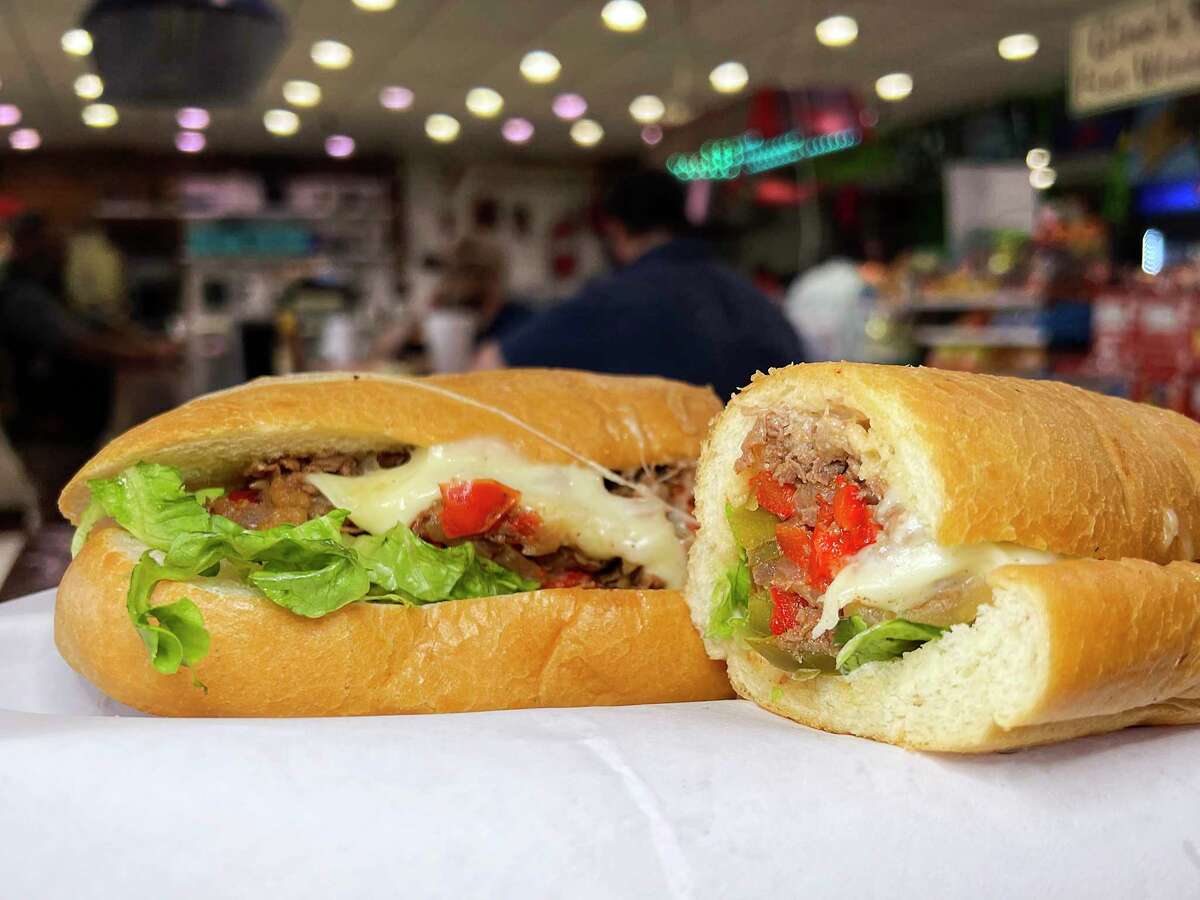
<point x="1114" y="334"/>
<point x="1164" y="335"/>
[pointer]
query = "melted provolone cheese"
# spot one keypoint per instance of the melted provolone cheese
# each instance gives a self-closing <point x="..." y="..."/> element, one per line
<point x="570" y="499"/>
<point x="897" y="575"/>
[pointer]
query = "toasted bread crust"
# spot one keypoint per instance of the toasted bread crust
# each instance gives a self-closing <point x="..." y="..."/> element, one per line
<point x="1037" y="463"/>
<point x="617" y="422"/>
<point x="545" y="648"/>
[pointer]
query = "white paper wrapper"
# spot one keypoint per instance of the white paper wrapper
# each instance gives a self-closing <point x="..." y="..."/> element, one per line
<point x="704" y="799"/>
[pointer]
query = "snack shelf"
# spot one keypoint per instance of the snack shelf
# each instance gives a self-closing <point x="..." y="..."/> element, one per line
<point x="980" y="336"/>
<point x="1000" y="301"/>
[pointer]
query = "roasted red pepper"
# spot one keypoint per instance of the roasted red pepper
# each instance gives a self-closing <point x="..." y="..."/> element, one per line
<point x="569" y="579"/>
<point x="774" y="496"/>
<point x="844" y="526"/>
<point x="524" y="522"/>
<point x="785" y="606"/>
<point x="849" y="510"/>
<point x="246" y="495"/>
<point x="474" y="507"/>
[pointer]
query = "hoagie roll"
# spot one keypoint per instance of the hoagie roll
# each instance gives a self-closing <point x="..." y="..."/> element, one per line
<point x="950" y="561"/>
<point x="361" y="544"/>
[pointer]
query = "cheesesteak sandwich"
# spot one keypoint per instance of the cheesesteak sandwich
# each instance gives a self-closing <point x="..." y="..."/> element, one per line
<point x="950" y="561"/>
<point x="361" y="544"/>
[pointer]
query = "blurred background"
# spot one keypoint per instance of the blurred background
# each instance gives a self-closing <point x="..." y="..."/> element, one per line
<point x="194" y="193"/>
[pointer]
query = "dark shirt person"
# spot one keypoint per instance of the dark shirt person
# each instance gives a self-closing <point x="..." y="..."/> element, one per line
<point x="62" y="368"/>
<point x="61" y="363"/>
<point x="670" y="309"/>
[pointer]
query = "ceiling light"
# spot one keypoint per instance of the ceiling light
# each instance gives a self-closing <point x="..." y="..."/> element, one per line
<point x="837" y="31"/>
<point x="540" y="67"/>
<point x="442" y="128"/>
<point x="9" y="115"/>
<point x="100" y="115"/>
<point x="586" y="133"/>
<point x="484" y="102"/>
<point x="652" y="134"/>
<point x="1017" y="47"/>
<point x="89" y="86"/>
<point x="1037" y="158"/>
<point x="647" y="109"/>
<point x="624" y="15"/>
<point x="339" y="146"/>
<point x="375" y="5"/>
<point x="1043" y="178"/>
<point x="301" y="93"/>
<point x="281" y="122"/>
<point x="193" y="118"/>
<point x="25" y="139"/>
<point x="569" y="106"/>
<point x="728" y="77"/>
<point x="395" y="97"/>
<point x="895" y="86"/>
<point x="189" y="142"/>
<point x="77" y="42"/>
<point x="331" y="54"/>
<point x="517" y="131"/>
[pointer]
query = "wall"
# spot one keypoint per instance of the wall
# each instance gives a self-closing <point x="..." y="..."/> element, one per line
<point x="441" y="202"/>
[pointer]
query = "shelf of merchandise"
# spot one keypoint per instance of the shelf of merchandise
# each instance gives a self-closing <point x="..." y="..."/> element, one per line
<point x="997" y="301"/>
<point x="1020" y="336"/>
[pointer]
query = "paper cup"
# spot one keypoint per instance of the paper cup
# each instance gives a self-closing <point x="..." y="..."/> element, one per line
<point x="450" y="339"/>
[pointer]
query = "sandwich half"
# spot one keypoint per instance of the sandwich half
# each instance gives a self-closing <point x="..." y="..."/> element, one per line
<point x="361" y="544"/>
<point x="950" y="561"/>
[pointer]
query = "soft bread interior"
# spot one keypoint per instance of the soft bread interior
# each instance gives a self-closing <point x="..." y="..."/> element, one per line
<point x="958" y="693"/>
<point x="1032" y="669"/>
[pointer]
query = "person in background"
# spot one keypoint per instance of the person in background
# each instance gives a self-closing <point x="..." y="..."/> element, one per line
<point x="60" y="365"/>
<point x="825" y="305"/>
<point x="670" y="308"/>
<point x="473" y="282"/>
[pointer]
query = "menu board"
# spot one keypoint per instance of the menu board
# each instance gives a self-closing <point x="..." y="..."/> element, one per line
<point x="1134" y="51"/>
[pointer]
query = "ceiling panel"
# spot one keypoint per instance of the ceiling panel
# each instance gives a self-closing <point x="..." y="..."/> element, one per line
<point x="441" y="48"/>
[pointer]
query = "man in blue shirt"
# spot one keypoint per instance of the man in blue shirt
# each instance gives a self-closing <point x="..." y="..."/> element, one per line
<point x="670" y="309"/>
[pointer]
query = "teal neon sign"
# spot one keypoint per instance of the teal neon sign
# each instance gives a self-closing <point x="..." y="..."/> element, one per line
<point x="751" y="153"/>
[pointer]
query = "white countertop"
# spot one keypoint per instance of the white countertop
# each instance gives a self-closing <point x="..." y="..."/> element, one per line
<point x="702" y="799"/>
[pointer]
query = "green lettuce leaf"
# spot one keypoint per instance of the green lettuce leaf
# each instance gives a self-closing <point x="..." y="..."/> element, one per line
<point x="731" y="601"/>
<point x="311" y="569"/>
<point x="847" y="628"/>
<point x="887" y="640"/>
<point x="151" y="503"/>
<point x="174" y="634"/>
<point x="313" y="586"/>
<point x="484" y="578"/>
<point x="402" y="564"/>
<point x="93" y="514"/>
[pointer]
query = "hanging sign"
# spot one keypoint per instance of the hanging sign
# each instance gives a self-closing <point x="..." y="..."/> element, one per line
<point x="1133" y="52"/>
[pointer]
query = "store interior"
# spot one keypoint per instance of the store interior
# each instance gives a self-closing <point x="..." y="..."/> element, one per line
<point x="254" y="188"/>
